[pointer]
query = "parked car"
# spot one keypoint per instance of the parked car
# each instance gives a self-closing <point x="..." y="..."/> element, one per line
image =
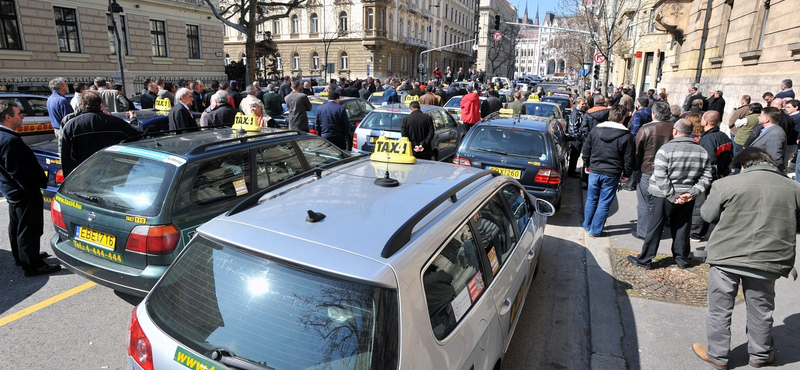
<point x="546" y="109"/>
<point x="563" y="101"/>
<point x="36" y="126"/>
<point x="434" y="283"/>
<point x="530" y="149"/>
<point x="453" y="106"/>
<point x="356" y="109"/>
<point x="385" y="120"/>
<point x="123" y="215"/>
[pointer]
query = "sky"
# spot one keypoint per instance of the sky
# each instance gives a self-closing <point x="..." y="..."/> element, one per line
<point x="544" y="7"/>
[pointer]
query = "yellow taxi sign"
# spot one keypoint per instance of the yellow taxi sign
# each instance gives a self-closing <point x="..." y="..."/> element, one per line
<point x="533" y="98"/>
<point x="323" y="94"/>
<point x="377" y="94"/>
<point x="506" y="112"/>
<point x="163" y="104"/>
<point x="393" y="151"/>
<point x="245" y="122"/>
<point x="409" y="98"/>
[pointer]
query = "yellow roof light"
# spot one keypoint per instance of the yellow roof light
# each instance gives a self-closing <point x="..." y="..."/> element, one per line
<point x="163" y="104"/>
<point x="393" y="151"/>
<point x="247" y="123"/>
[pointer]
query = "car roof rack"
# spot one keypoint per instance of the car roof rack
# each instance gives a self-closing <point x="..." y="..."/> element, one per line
<point x="401" y="237"/>
<point x="243" y="139"/>
<point x="252" y="200"/>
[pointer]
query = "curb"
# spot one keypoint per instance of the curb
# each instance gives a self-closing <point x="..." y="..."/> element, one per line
<point x="605" y="318"/>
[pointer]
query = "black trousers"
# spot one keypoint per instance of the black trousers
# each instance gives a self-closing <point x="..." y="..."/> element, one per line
<point x="679" y="216"/>
<point x="574" y="154"/>
<point x="699" y="226"/>
<point x="25" y="228"/>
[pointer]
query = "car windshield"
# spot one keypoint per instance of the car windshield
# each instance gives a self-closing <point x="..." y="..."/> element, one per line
<point x="511" y="142"/>
<point x="274" y="313"/>
<point x="387" y="121"/>
<point x="542" y="110"/>
<point x="564" y="103"/>
<point x="455" y="102"/>
<point x="120" y="182"/>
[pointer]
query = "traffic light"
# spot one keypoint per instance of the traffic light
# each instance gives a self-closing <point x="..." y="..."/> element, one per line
<point x="497" y="22"/>
<point x="596" y="72"/>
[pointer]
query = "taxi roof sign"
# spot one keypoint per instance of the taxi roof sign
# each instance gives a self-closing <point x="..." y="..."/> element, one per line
<point x="393" y="151"/>
<point x="506" y="112"/>
<point x="163" y="104"/>
<point x="247" y="123"/>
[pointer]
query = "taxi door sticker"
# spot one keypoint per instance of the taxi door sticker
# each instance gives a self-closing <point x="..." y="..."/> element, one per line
<point x="493" y="259"/>
<point x="475" y="286"/>
<point x="461" y="304"/>
<point x="193" y="362"/>
<point x="240" y="186"/>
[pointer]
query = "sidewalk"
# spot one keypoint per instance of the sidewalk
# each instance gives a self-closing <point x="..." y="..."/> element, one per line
<point x="629" y="332"/>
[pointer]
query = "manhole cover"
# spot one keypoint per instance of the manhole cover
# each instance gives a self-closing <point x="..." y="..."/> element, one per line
<point x="664" y="282"/>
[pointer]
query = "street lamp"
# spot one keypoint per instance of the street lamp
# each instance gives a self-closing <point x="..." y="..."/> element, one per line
<point x="114" y="8"/>
<point x="428" y="57"/>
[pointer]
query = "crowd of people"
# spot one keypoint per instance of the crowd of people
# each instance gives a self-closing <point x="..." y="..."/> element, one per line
<point x="729" y="189"/>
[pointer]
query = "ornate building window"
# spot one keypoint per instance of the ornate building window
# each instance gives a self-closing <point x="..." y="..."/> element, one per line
<point x="67" y="30"/>
<point x="9" y="27"/>
<point x="370" y="19"/>
<point x="342" y="21"/>
<point x="295" y="61"/>
<point x="344" y="61"/>
<point x="295" y="24"/>
<point x="314" y="24"/>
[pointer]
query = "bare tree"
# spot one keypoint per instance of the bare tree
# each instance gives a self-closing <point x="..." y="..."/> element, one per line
<point x="604" y="20"/>
<point x="245" y="16"/>
<point x="500" y="53"/>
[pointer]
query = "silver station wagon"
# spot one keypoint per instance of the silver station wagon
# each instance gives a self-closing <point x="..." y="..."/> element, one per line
<point x="367" y="263"/>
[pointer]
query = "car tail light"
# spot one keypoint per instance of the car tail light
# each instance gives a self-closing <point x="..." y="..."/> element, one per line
<point x="355" y="140"/>
<point x="461" y="161"/>
<point x="138" y="345"/>
<point x="59" y="176"/>
<point x="547" y="176"/>
<point x="55" y="214"/>
<point x="153" y="239"/>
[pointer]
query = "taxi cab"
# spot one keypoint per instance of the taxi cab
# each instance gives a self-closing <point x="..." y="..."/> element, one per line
<point x="435" y="278"/>
<point x="123" y="215"/>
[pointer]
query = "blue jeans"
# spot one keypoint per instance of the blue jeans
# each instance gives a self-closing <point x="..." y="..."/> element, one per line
<point x="600" y="193"/>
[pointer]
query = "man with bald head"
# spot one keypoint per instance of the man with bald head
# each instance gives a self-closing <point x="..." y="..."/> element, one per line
<point x="720" y="154"/>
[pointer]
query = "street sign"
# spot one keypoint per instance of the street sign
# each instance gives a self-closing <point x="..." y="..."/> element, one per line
<point x="421" y="65"/>
<point x="599" y="57"/>
<point x="497" y="36"/>
<point x="638" y="54"/>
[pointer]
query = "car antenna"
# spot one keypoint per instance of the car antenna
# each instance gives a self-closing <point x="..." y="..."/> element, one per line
<point x="386" y="181"/>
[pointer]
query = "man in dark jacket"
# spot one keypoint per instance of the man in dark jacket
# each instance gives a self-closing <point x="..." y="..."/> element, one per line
<point x="608" y="154"/>
<point x="720" y="154"/>
<point x="575" y="136"/>
<point x="286" y="87"/>
<point x="491" y="104"/>
<point x="272" y="102"/>
<point x="197" y="95"/>
<point x="21" y="177"/>
<point x="643" y="115"/>
<point x="210" y="92"/>
<point x="364" y="93"/>
<point x="90" y="132"/>
<point x="648" y="141"/>
<point x="693" y="94"/>
<point x="180" y="116"/>
<point x="224" y="113"/>
<point x="350" y="91"/>
<point x="332" y="123"/>
<point x="148" y="99"/>
<point x="594" y="116"/>
<point x="418" y="128"/>
<point x="754" y="256"/>
<point x="716" y="102"/>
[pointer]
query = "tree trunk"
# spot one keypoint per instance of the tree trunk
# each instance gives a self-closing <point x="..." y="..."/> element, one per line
<point x="250" y="45"/>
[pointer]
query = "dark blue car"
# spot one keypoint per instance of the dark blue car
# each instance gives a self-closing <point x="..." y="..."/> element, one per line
<point x="530" y="149"/>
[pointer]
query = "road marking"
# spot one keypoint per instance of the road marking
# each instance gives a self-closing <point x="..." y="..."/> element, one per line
<point x="47" y="302"/>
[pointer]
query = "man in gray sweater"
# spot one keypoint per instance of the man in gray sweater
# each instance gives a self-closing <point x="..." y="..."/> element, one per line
<point x="753" y="245"/>
<point x="681" y="171"/>
<point x="299" y="106"/>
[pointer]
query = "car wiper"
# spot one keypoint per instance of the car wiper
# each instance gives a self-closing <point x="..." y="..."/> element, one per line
<point x="492" y="151"/>
<point x="91" y="198"/>
<point x="235" y="362"/>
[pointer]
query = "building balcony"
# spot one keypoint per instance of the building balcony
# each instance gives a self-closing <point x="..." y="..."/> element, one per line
<point x="412" y="8"/>
<point x="425" y="13"/>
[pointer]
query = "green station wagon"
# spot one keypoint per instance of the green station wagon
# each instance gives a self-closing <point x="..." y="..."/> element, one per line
<point x="125" y="214"/>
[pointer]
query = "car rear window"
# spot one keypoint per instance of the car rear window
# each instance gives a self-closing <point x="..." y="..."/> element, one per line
<point x="453" y="102"/>
<point x="120" y="182"/>
<point x="542" y="110"/>
<point x="273" y="313"/>
<point x="383" y="121"/>
<point x="505" y="141"/>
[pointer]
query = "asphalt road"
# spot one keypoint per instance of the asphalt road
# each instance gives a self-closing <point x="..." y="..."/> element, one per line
<point x="63" y="321"/>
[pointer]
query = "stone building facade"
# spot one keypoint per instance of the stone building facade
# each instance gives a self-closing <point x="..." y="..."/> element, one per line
<point x="748" y="48"/>
<point x="496" y="58"/>
<point x="366" y="38"/>
<point x="170" y="39"/>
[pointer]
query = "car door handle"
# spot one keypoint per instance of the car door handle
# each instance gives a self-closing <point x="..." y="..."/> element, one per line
<point x="505" y="307"/>
<point x="531" y="254"/>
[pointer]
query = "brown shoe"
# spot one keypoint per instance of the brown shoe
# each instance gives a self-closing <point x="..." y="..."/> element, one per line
<point x="700" y="351"/>
<point x="769" y="360"/>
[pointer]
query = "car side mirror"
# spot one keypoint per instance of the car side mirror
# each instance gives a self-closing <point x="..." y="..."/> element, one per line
<point x="544" y="208"/>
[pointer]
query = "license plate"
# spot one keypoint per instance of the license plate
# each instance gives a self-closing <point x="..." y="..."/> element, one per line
<point x="507" y="171"/>
<point x="95" y="237"/>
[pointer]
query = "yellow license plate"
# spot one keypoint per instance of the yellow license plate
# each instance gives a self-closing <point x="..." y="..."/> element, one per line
<point x="95" y="237"/>
<point x="507" y="171"/>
